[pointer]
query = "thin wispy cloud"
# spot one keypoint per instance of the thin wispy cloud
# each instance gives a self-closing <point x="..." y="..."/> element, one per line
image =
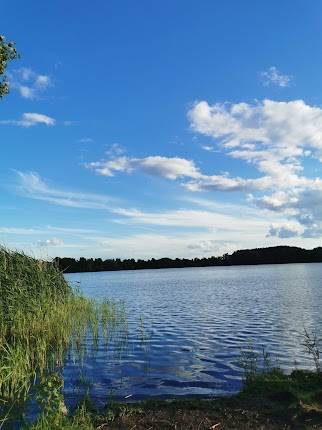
<point x="86" y="140"/>
<point x="31" y="185"/>
<point x="147" y="245"/>
<point x="30" y="119"/>
<point x="48" y="229"/>
<point x="115" y="150"/>
<point x="73" y="231"/>
<point x="19" y="231"/>
<point x="196" y="218"/>
<point x="28" y="83"/>
<point x="273" y="76"/>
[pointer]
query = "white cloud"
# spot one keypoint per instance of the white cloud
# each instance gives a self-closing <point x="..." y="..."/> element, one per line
<point x="283" y="232"/>
<point x="86" y="140"/>
<point x="220" y="183"/>
<point x="173" y="168"/>
<point x="26" y="92"/>
<point x="188" y="244"/>
<point x="33" y="186"/>
<point x="28" y="231"/>
<point x="30" y="119"/>
<point x="274" y="137"/>
<point x="273" y="77"/>
<point x="50" y="242"/>
<point x="115" y="150"/>
<point x="18" y="231"/>
<point x="72" y="231"/>
<point x="209" y="148"/>
<point x="42" y="81"/>
<point x="28" y="83"/>
<point x="203" y="214"/>
<point x="154" y="245"/>
<point x="285" y="127"/>
<point x="167" y="167"/>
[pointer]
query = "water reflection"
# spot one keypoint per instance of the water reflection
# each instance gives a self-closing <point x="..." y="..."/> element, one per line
<point x="186" y="327"/>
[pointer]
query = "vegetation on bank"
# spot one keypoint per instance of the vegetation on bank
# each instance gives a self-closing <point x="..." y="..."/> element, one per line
<point x="270" y="401"/>
<point x="41" y="320"/>
<point x="271" y="255"/>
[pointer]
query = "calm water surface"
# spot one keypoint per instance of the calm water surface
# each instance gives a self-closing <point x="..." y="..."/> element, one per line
<point x="186" y="327"/>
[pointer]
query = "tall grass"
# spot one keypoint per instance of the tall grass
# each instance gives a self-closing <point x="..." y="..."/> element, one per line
<point x="41" y="318"/>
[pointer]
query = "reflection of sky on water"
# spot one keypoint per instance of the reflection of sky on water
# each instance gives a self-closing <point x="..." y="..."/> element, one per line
<point x="186" y="327"/>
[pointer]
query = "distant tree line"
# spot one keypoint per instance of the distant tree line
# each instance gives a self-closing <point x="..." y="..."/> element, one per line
<point x="271" y="255"/>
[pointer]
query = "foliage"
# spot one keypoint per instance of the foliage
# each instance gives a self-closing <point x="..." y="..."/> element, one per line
<point x="270" y="400"/>
<point x="312" y="347"/>
<point x="41" y="319"/>
<point x="8" y="52"/>
<point x="254" y="362"/>
<point x="270" y="255"/>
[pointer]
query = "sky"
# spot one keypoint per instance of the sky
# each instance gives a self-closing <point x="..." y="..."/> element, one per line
<point x="171" y="128"/>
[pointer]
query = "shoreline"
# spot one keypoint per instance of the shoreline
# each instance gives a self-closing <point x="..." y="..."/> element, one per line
<point x="195" y="267"/>
<point x="245" y="257"/>
<point x="271" y="400"/>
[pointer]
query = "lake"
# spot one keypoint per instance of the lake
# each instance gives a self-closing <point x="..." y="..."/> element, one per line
<point x="186" y="327"/>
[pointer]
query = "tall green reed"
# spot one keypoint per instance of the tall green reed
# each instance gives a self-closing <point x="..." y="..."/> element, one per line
<point x="41" y="319"/>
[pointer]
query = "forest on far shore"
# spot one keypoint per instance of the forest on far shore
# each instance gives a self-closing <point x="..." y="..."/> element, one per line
<point x="271" y="255"/>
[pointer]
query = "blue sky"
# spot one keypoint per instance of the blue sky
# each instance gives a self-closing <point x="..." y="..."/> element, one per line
<point x="151" y="129"/>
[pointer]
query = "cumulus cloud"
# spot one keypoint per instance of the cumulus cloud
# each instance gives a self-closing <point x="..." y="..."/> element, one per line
<point x="167" y="167"/>
<point x="31" y="119"/>
<point x="273" y="77"/>
<point x="274" y="137"/>
<point x="220" y="183"/>
<point x="28" y="83"/>
<point x="285" y="128"/>
<point x="174" y="168"/>
<point x="283" y="232"/>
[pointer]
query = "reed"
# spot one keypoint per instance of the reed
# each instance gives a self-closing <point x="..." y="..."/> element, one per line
<point x="41" y="319"/>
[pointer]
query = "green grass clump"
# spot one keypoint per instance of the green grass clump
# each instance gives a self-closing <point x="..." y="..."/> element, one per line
<point x="41" y="318"/>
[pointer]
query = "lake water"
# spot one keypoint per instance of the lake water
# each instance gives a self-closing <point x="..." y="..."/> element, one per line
<point x="186" y="327"/>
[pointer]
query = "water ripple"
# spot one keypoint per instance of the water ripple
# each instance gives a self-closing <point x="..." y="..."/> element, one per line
<point x="195" y="323"/>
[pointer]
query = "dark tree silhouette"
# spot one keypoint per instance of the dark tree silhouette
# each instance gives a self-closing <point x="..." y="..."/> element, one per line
<point x="8" y="53"/>
<point x="272" y="255"/>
